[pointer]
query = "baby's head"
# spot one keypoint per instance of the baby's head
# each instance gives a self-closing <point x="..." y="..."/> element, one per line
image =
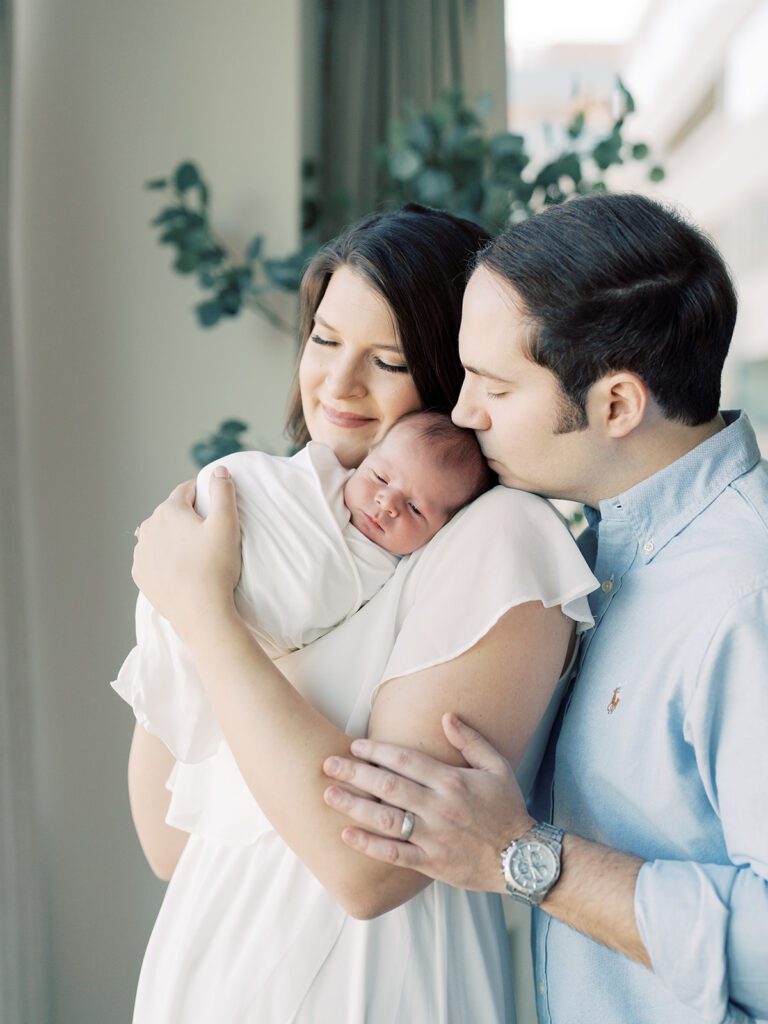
<point x="411" y="483"/>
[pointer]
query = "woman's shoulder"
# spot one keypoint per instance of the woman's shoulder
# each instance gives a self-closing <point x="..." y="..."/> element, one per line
<point x="499" y="518"/>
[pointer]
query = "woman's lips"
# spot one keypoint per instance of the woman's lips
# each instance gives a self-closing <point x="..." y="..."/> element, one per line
<point x="345" y="419"/>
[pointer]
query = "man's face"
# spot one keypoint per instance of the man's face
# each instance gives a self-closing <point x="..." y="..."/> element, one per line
<point x="515" y="406"/>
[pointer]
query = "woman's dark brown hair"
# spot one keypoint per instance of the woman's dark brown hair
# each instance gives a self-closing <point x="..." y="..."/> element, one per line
<point x="417" y="259"/>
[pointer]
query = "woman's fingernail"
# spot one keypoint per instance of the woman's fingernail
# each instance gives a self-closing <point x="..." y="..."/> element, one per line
<point x="221" y="471"/>
<point x="359" y="747"/>
<point x="331" y="766"/>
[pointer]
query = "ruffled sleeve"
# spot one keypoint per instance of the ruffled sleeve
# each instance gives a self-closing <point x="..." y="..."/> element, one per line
<point x="507" y="548"/>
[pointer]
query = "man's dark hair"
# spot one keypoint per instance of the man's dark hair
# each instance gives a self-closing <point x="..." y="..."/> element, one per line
<point x="418" y="260"/>
<point x="620" y="282"/>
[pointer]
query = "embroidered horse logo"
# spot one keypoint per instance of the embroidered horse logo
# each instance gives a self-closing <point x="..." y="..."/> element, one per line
<point x="615" y="700"/>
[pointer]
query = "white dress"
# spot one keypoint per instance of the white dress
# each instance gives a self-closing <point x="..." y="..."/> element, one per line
<point x="305" y="568"/>
<point x="245" y="932"/>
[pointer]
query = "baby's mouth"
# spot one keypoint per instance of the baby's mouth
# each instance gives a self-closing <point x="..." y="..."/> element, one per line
<point x="373" y="522"/>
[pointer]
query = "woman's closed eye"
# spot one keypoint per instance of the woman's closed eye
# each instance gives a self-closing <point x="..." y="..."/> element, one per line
<point x="389" y="367"/>
<point x="378" y="362"/>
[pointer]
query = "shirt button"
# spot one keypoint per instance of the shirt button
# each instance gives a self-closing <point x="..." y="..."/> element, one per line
<point x="648" y="547"/>
<point x="607" y="586"/>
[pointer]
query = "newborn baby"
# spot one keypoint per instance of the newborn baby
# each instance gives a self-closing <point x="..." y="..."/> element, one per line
<point x="318" y="541"/>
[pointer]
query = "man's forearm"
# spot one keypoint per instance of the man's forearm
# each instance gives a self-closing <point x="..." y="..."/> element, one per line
<point x="596" y="895"/>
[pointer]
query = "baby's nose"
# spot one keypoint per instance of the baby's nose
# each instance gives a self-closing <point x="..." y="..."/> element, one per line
<point x="389" y="501"/>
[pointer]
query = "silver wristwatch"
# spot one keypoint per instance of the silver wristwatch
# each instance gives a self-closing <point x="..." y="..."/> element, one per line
<point x="531" y="864"/>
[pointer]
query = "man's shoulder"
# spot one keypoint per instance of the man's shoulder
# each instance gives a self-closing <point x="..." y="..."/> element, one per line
<point x="751" y="490"/>
<point x="738" y="517"/>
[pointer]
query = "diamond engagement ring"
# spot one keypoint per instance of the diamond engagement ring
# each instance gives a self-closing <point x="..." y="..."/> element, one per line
<point x="136" y="532"/>
<point x="406" y="830"/>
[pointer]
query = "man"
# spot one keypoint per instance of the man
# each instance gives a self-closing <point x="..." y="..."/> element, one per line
<point x="593" y="338"/>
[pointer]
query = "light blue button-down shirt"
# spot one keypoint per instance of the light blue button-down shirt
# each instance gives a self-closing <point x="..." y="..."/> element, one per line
<point x="662" y="749"/>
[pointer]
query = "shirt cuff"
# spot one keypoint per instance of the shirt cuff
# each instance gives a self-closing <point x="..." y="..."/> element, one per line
<point x="682" y="913"/>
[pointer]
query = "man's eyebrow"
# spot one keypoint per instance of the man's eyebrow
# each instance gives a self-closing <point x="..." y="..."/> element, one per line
<point x="479" y="372"/>
<point x="327" y="326"/>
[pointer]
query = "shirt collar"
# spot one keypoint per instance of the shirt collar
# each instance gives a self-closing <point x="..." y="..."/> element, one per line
<point x="658" y="508"/>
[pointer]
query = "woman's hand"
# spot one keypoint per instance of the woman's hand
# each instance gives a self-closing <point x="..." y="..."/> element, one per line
<point x="187" y="566"/>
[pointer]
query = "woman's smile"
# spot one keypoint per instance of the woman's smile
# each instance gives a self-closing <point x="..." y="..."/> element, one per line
<point x="345" y="419"/>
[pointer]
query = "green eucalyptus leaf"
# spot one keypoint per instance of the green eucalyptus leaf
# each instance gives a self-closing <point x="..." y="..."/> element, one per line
<point x="253" y="252"/>
<point x="570" y="167"/>
<point x="283" y="274"/>
<point x="230" y="300"/>
<point x="422" y="135"/>
<point x="608" y="151"/>
<point x="507" y="145"/>
<point x="186" y="262"/>
<point x="208" y="313"/>
<point x="170" y="215"/>
<point x="204" y="452"/>
<point x="576" y="127"/>
<point x="404" y="164"/>
<point x="231" y="428"/>
<point x="213" y="256"/>
<point x="434" y="186"/>
<point x="196" y="239"/>
<point x="186" y="176"/>
<point x="626" y="96"/>
<point x="173" y="236"/>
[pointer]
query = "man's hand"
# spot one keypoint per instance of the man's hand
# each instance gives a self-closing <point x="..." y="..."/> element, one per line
<point x="464" y="817"/>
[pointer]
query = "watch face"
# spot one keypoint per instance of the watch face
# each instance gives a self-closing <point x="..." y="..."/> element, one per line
<point x="532" y="866"/>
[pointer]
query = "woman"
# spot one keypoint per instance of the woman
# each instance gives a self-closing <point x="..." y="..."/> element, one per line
<point x="269" y="916"/>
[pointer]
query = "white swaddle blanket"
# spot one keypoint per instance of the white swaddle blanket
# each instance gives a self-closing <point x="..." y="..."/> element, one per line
<point x="305" y="569"/>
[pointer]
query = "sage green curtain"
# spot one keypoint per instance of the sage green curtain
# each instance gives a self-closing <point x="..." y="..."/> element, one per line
<point x="22" y="939"/>
<point x="376" y="54"/>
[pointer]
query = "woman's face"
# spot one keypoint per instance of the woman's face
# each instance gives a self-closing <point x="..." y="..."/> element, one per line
<point x="353" y="378"/>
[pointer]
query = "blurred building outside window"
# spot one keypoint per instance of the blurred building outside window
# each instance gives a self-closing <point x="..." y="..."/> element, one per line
<point x="699" y="76"/>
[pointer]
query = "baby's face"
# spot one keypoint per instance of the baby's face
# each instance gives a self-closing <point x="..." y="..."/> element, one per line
<point x="398" y="497"/>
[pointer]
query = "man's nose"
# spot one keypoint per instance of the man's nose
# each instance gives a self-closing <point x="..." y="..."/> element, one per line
<point x="345" y="379"/>
<point x="468" y="411"/>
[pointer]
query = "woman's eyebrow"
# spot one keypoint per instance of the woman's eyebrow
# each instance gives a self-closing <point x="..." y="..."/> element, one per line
<point x="324" y="323"/>
<point x="327" y="326"/>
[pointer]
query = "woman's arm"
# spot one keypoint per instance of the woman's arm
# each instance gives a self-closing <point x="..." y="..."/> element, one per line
<point x="279" y="741"/>
<point x="503" y="684"/>
<point x="149" y="765"/>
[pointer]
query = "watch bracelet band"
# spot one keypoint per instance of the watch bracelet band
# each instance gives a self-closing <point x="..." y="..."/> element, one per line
<point x="550" y="834"/>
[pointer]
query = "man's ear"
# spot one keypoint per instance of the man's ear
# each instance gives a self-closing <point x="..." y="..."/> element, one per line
<point x="619" y="402"/>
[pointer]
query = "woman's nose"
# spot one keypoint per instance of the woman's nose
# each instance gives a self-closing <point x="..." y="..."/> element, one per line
<point x="345" y="380"/>
<point x="468" y="412"/>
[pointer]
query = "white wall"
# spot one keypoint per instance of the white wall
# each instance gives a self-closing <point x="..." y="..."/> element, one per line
<point x="115" y="381"/>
